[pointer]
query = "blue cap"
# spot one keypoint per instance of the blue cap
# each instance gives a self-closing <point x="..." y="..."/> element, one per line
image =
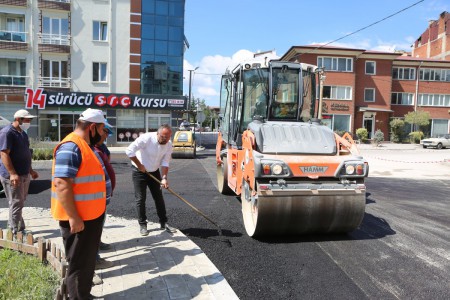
<point x="109" y="128"/>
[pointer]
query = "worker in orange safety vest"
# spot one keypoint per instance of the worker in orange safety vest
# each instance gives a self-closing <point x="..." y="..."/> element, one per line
<point x="78" y="199"/>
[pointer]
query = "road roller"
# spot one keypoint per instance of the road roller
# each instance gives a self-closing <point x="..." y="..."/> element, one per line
<point x="183" y="144"/>
<point x="294" y="175"/>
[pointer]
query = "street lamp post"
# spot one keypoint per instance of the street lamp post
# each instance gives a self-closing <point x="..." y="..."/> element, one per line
<point x="190" y="92"/>
<point x="322" y="80"/>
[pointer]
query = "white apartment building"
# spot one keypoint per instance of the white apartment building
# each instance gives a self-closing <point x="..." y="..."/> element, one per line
<point x="85" y="53"/>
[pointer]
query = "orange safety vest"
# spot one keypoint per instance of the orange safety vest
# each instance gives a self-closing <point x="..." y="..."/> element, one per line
<point x="89" y="187"/>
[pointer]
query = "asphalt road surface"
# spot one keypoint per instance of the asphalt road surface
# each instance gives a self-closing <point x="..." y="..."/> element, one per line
<point x="400" y="251"/>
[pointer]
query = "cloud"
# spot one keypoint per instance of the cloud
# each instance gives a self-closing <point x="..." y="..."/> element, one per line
<point x="206" y="79"/>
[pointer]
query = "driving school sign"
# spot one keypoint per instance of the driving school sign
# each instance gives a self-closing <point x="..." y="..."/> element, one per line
<point x="42" y="99"/>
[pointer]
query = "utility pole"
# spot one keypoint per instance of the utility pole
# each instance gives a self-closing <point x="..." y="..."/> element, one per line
<point x="190" y="93"/>
<point x="322" y="80"/>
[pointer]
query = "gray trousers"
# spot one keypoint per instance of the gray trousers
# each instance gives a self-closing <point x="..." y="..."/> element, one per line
<point x="16" y="197"/>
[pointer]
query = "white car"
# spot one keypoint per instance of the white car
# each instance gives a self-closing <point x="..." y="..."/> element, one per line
<point x="438" y="143"/>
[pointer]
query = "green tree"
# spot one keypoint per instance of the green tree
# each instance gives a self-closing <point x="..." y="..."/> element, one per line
<point x="418" y="118"/>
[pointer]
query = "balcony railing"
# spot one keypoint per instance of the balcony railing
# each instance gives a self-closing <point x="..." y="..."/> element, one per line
<point x="13" y="80"/>
<point x="54" y="82"/>
<point x="13" y="36"/>
<point x="54" y="39"/>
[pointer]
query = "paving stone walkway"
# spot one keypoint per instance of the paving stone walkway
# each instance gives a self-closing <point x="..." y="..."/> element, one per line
<point x="159" y="266"/>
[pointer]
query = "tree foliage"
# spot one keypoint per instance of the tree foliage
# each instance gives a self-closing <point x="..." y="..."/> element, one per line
<point x="397" y="130"/>
<point x="419" y="118"/>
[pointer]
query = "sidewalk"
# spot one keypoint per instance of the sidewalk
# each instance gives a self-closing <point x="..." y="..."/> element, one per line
<point x="158" y="266"/>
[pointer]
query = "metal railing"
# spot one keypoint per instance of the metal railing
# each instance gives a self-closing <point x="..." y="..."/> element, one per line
<point x="13" y="80"/>
<point x="13" y="36"/>
<point x="54" y="39"/>
<point x="54" y="82"/>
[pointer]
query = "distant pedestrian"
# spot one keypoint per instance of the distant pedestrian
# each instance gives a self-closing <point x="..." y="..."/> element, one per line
<point x="80" y="188"/>
<point x="148" y="153"/>
<point x="15" y="166"/>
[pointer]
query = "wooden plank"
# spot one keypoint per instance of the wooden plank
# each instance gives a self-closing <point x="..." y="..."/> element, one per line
<point x="19" y="247"/>
<point x="29" y="238"/>
<point x="41" y="250"/>
<point x="9" y="235"/>
<point x="19" y="237"/>
<point x="1" y="234"/>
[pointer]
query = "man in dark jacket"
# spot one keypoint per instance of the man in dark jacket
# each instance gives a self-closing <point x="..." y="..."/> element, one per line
<point x="15" y="166"/>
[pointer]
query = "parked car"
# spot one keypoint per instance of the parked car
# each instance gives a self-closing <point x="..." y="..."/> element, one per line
<point x="438" y="142"/>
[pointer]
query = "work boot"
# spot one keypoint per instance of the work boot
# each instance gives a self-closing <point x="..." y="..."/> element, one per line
<point x="143" y="230"/>
<point x="97" y="279"/>
<point x="104" y="246"/>
<point x="102" y="263"/>
<point x="168" y="228"/>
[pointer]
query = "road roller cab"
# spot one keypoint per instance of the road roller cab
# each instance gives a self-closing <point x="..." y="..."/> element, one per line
<point x="294" y="175"/>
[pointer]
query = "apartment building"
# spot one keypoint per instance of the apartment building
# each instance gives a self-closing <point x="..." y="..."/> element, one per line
<point x="367" y="89"/>
<point x="59" y="57"/>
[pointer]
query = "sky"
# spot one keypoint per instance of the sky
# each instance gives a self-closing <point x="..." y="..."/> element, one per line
<point x="221" y="33"/>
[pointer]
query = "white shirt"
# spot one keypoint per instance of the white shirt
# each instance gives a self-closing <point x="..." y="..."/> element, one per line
<point x="149" y="152"/>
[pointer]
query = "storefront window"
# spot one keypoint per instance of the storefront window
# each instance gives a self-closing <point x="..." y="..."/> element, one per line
<point x="337" y="122"/>
<point x="130" y="124"/>
<point x="48" y="127"/>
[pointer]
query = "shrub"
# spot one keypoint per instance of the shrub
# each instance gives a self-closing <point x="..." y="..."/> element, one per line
<point x="42" y="154"/>
<point x="397" y="130"/>
<point x="415" y="137"/>
<point x="378" y="137"/>
<point x="362" y="134"/>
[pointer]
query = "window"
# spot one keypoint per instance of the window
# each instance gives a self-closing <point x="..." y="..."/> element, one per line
<point x="55" y="74"/>
<point x="337" y="122"/>
<point x="435" y="75"/>
<point x="369" y="95"/>
<point x="340" y="64"/>
<point x="337" y="92"/>
<point x="404" y="73"/>
<point x="100" y="31"/>
<point x="402" y="98"/>
<point x="130" y="124"/>
<point x="370" y="67"/>
<point x="434" y="100"/>
<point x="13" y="72"/>
<point x="439" y="127"/>
<point x="99" y="72"/>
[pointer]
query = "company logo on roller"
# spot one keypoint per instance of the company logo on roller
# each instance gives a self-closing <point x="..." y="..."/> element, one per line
<point x="313" y="169"/>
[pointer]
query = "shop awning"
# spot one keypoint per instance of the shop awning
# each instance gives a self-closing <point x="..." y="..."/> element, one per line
<point x="373" y="109"/>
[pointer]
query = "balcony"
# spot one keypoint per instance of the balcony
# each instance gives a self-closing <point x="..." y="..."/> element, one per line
<point x="13" y="36"/>
<point x="13" y="80"/>
<point x="13" y="84"/>
<point x="14" y="2"/>
<point x="54" y="4"/>
<point x="50" y="82"/>
<point x="54" y="43"/>
<point x="13" y="40"/>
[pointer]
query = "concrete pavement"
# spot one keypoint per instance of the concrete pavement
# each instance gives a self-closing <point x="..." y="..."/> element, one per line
<point x="158" y="266"/>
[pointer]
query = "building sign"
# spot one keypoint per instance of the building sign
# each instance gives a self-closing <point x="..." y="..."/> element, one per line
<point x="341" y="107"/>
<point x="42" y="99"/>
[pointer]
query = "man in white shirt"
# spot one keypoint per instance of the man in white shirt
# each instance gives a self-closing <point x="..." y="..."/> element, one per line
<point x="148" y="153"/>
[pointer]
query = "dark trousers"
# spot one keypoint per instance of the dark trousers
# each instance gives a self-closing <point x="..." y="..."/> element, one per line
<point x="81" y="252"/>
<point x="141" y="181"/>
